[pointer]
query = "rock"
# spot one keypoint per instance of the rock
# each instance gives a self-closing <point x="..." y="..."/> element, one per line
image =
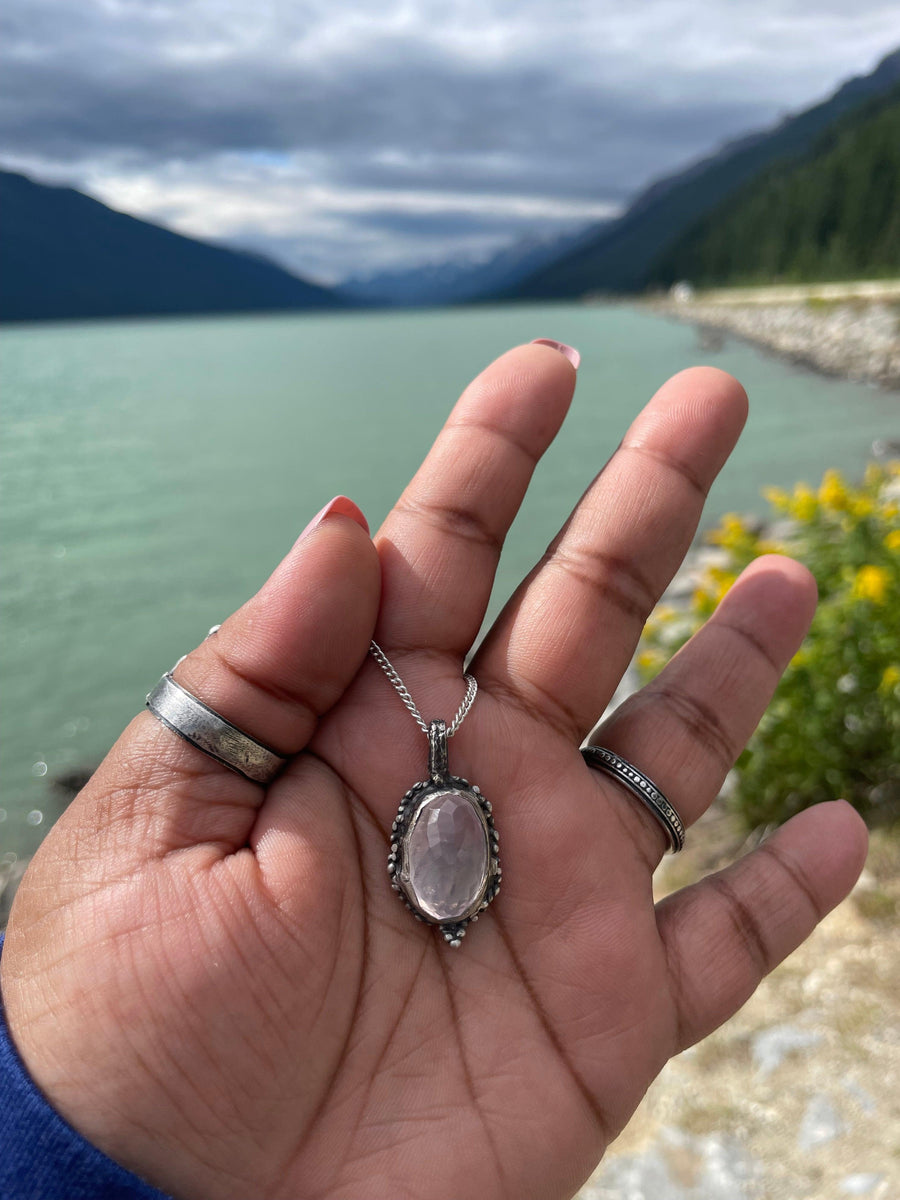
<point x="770" y="1047"/>
<point x="680" y="1167"/>
<point x="637" y="1177"/>
<point x="860" y="1095"/>
<point x="11" y="871"/>
<point x="847" y="339"/>
<point x="821" y="1124"/>
<point x="859" y="1185"/>
<point x="866" y="882"/>
<point x="68" y="784"/>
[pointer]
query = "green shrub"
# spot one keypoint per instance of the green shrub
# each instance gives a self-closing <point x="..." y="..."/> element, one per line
<point x="833" y="727"/>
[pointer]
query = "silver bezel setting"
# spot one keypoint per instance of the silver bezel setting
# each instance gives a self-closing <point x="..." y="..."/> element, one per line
<point x="408" y="813"/>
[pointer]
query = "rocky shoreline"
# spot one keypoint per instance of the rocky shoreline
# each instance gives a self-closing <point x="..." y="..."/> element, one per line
<point x="854" y="335"/>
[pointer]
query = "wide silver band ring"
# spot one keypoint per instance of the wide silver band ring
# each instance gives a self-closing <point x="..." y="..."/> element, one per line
<point x="197" y="723"/>
<point x="643" y="787"/>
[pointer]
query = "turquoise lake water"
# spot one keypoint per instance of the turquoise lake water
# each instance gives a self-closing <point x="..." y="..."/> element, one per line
<point x="154" y="472"/>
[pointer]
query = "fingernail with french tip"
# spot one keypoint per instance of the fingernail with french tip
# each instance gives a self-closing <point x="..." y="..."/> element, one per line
<point x="568" y="352"/>
<point x="343" y="507"/>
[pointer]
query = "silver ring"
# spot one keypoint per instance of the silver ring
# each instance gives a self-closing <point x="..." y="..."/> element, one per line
<point x="643" y="787"/>
<point x="197" y="723"/>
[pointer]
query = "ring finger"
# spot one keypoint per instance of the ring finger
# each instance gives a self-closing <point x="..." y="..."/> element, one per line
<point x="687" y="727"/>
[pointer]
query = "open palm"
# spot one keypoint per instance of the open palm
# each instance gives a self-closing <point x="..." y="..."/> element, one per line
<point x="214" y="981"/>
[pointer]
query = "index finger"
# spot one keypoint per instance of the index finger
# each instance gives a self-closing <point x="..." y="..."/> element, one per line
<point x="440" y="544"/>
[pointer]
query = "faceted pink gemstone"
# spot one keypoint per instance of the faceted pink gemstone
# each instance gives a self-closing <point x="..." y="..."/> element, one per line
<point x="447" y="856"/>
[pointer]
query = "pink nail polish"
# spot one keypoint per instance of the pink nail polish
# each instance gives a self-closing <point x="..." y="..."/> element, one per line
<point x="568" y="352"/>
<point x="343" y="507"/>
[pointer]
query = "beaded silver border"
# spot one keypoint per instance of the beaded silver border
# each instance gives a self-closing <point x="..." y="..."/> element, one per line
<point x="643" y="787"/>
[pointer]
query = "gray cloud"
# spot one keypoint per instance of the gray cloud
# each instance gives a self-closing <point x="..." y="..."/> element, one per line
<point x="380" y="123"/>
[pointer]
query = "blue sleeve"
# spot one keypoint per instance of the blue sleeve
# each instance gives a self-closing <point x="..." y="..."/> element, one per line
<point x="41" y="1156"/>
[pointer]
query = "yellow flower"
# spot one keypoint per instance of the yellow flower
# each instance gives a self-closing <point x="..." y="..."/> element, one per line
<point x="892" y="541"/>
<point x="723" y="586"/>
<point x="889" y="679"/>
<point x="778" y="498"/>
<point x="703" y="601"/>
<point x="871" y="583"/>
<point x="713" y="588"/>
<point x="891" y="512"/>
<point x="766" y="547"/>
<point x="804" y="504"/>
<point x="731" y="531"/>
<point x="660" y="617"/>
<point x="649" y="660"/>
<point x="833" y="492"/>
<point x="861" y="505"/>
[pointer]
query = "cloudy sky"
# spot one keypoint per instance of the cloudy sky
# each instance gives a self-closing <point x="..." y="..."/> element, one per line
<point x="348" y="135"/>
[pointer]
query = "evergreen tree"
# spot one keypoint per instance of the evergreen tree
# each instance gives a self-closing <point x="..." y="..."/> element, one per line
<point x="834" y="214"/>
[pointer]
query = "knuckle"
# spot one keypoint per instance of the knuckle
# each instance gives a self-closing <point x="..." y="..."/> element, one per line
<point x="530" y="699"/>
<point x="795" y="877"/>
<point x="455" y="521"/>
<point x="700" y="721"/>
<point x="616" y="581"/>
<point x="505" y="436"/>
<point x="669" y="462"/>
<point x="745" y="923"/>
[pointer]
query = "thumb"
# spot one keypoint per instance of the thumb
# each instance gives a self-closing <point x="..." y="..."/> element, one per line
<point x="273" y="668"/>
<point x="287" y="655"/>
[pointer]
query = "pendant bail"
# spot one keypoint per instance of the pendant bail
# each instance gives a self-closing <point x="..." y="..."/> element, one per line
<point x="438" y="759"/>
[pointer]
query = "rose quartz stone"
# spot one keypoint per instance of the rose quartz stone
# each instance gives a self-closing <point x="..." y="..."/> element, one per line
<point x="447" y="856"/>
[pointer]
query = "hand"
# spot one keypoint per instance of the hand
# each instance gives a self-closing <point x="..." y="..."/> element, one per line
<point x="214" y="981"/>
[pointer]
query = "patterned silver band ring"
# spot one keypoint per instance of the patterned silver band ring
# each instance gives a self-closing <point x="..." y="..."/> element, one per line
<point x="197" y="723"/>
<point x="642" y="787"/>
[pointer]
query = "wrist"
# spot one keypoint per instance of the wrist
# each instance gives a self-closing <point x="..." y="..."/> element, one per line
<point x="44" y="1155"/>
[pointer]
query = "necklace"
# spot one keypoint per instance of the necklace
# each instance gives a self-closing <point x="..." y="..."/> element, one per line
<point x="444" y="860"/>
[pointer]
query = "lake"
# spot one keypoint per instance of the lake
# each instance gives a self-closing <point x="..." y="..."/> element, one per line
<point x="155" y="471"/>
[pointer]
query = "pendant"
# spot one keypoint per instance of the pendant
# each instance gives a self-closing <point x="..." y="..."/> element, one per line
<point x="444" y="859"/>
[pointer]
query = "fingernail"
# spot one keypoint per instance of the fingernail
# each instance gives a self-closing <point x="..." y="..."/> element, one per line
<point x="341" y="505"/>
<point x="568" y="352"/>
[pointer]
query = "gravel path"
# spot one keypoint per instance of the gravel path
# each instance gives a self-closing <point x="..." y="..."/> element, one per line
<point x="798" y="1096"/>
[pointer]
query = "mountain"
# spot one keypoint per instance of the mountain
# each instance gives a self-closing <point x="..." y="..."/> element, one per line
<point x="621" y="256"/>
<point x="834" y="214"/>
<point x="455" y="282"/>
<point x="64" y="255"/>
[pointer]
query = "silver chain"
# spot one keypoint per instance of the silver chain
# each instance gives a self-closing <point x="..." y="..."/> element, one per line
<point x="403" y="692"/>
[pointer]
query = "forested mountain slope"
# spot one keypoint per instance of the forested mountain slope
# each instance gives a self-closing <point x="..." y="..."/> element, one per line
<point x="834" y="215"/>
<point x="625" y="253"/>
